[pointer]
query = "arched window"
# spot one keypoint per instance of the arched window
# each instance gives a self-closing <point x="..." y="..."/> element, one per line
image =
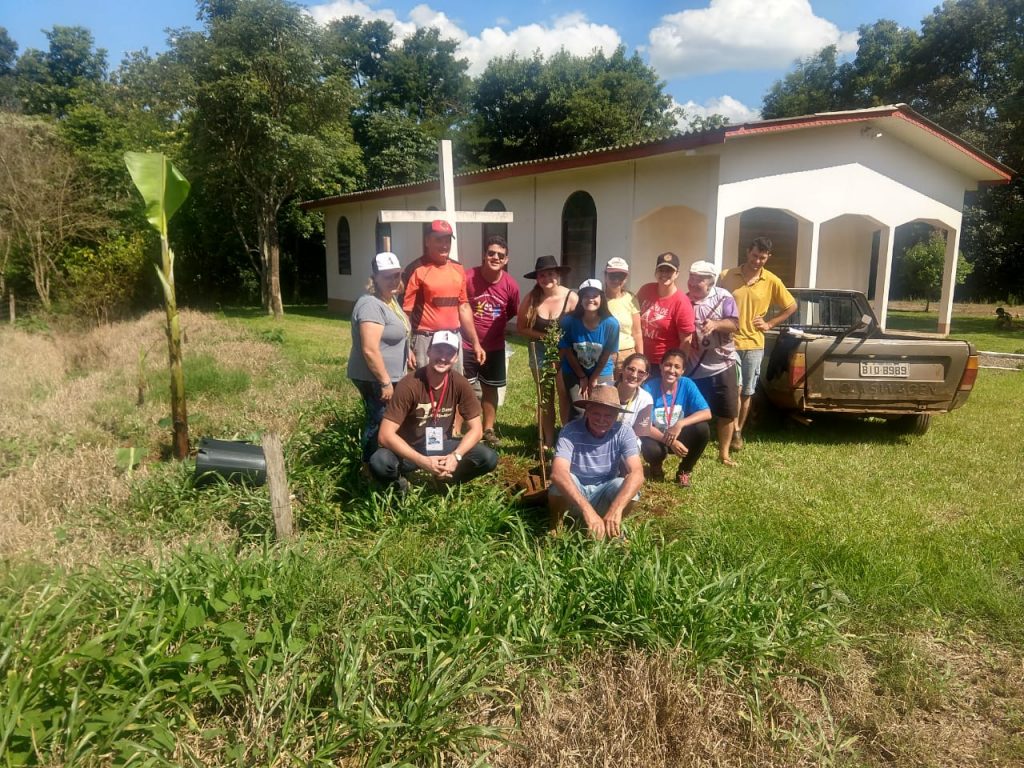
<point x="495" y="228"/>
<point x="579" y="236"/>
<point x="383" y="236"/>
<point x="344" y="247"/>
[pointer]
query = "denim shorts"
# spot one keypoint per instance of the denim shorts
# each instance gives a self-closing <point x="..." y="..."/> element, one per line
<point x="750" y="369"/>
<point x="599" y="495"/>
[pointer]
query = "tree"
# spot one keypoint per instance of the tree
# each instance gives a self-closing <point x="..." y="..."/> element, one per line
<point x="164" y="189"/>
<point x="530" y="108"/>
<point x="8" y="59"/>
<point x="70" y="71"/>
<point x="922" y="265"/>
<point x="817" y="84"/>
<point x="265" y="122"/>
<point x="356" y="48"/>
<point x="44" y="203"/>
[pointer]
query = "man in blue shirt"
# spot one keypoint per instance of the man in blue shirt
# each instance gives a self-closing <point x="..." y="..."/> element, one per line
<point x="587" y="479"/>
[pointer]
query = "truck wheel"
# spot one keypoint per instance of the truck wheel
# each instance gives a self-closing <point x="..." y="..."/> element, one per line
<point x="912" y="425"/>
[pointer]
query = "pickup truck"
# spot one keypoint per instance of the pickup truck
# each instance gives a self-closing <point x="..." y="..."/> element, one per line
<point x="831" y="356"/>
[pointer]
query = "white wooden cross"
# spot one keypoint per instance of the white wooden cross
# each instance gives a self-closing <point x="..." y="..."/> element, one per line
<point x="447" y="212"/>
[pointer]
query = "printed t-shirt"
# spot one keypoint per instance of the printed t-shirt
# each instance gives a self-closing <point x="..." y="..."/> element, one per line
<point x="410" y="407"/>
<point x="686" y="400"/>
<point x="594" y="460"/>
<point x="642" y="399"/>
<point x="493" y="305"/>
<point x="716" y="351"/>
<point x="589" y="344"/>
<point x="753" y="301"/>
<point x="394" y="339"/>
<point x="433" y="295"/>
<point x="663" y="320"/>
<point x="623" y="308"/>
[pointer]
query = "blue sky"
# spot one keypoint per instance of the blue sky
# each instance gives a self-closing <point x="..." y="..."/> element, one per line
<point x="715" y="55"/>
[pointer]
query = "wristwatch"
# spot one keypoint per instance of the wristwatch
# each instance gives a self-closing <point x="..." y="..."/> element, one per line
<point x="458" y="456"/>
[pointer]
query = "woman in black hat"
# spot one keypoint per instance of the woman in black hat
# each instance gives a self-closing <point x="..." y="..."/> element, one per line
<point x="544" y="306"/>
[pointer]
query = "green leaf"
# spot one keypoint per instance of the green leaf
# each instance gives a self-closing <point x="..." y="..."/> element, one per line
<point x="127" y="458"/>
<point x="161" y="184"/>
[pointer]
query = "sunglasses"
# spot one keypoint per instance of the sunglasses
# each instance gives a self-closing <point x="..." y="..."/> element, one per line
<point x="636" y="372"/>
<point x="498" y="254"/>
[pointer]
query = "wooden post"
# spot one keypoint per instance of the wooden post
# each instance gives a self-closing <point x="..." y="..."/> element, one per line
<point x="11" y="304"/>
<point x="277" y="482"/>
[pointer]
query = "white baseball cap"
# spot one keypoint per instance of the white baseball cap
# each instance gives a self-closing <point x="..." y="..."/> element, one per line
<point x="704" y="268"/>
<point x="449" y="338"/>
<point x="592" y="284"/>
<point x="616" y="264"/>
<point x="384" y="261"/>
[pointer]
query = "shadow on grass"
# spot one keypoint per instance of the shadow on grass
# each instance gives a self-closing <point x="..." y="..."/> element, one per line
<point x="825" y="429"/>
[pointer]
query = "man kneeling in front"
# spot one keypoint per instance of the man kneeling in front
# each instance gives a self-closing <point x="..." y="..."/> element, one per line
<point x="597" y="471"/>
<point x="416" y="432"/>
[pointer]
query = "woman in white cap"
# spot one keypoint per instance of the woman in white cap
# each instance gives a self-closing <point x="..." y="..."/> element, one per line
<point x="622" y="304"/>
<point x="590" y="339"/>
<point x="380" y="344"/>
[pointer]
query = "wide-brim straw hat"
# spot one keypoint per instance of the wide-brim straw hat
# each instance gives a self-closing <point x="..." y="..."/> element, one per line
<point x="603" y="394"/>
<point x="546" y="262"/>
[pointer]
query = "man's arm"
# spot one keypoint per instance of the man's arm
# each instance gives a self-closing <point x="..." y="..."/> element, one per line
<point x="469" y="331"/>
<point x="561" y="478"/>
<point x="472" y="431"/>
<point x="389" y="438"/>
<point x="630" y="485"/>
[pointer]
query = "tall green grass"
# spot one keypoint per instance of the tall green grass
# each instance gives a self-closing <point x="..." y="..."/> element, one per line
<point x="381" y="636"/>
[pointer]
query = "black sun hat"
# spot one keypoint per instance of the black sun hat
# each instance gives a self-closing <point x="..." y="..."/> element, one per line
<point x="546" y="262"/>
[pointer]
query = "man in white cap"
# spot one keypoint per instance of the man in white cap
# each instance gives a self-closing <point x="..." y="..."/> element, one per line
<point x="416" y="432"/>
<point x="712" y="355"/>
<point x="586" y="475"/>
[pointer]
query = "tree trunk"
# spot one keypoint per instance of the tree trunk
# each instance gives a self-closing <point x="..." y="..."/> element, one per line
<point x="179" y="411"/>
<point x="270" y="255"/>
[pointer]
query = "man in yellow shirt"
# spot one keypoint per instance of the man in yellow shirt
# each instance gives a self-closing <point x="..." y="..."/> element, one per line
<point x="756" y="290"/>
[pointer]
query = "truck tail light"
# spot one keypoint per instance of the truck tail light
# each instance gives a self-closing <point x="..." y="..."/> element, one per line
<point x="797" y="369"/>
<point x="970" y="374"/>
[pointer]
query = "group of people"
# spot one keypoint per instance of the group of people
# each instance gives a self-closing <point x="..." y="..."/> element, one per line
<point x="639" y="378"/>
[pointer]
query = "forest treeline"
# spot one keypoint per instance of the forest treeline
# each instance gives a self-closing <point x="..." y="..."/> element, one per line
<point x="261" y="107"/>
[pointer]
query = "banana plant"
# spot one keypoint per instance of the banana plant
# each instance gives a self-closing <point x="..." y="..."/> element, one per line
<point x="164" y="189"/>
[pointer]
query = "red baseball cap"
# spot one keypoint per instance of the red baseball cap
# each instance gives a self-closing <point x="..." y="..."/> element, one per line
<point x="441" y="227"/>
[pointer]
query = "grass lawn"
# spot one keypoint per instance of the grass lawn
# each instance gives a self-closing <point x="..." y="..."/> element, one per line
<point x="846" y="596"/>
<point x="976" y="323"/>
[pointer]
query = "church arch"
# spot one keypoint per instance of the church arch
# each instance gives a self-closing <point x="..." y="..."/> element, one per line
<point x="579" y="236"/>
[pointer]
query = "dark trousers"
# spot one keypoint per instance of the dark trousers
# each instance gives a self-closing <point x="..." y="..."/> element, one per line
<point x="387" y="467"/>
<point x="694" y="436"/>
<point x="370" y="392"/>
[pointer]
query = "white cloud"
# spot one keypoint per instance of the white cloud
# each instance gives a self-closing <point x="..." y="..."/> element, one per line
<point x="573" y="32"/>
<point x="741" y="35"/>
<point x="735" y="110"/>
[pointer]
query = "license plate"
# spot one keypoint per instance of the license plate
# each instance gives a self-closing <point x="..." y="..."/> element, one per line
<point x="884" y="369"/>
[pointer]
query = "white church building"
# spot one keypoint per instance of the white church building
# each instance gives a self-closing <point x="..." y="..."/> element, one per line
<point x="829" y="189"/>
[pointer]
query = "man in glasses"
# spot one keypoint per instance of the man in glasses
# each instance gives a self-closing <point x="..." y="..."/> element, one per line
<point x="494" y="300"/>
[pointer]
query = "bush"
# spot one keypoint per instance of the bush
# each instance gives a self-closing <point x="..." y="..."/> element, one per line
<point x="104" y="282"/>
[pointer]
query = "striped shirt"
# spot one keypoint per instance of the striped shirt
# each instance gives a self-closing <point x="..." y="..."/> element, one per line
<point x="593" y="460"/>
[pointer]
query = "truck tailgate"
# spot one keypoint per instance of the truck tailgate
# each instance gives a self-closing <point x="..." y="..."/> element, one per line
<point x="893" y="373"/>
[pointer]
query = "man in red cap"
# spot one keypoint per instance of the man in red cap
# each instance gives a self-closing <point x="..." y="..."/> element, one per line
<point x="436" y="297"/>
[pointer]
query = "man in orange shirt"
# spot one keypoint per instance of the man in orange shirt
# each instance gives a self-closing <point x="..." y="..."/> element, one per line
<point x="436" y="297"/>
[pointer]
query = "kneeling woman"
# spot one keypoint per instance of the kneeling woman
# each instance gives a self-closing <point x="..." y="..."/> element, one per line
<point x="679" y="420"/>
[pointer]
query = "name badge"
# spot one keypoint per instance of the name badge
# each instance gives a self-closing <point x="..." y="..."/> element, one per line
<point x="435" y="439"/>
